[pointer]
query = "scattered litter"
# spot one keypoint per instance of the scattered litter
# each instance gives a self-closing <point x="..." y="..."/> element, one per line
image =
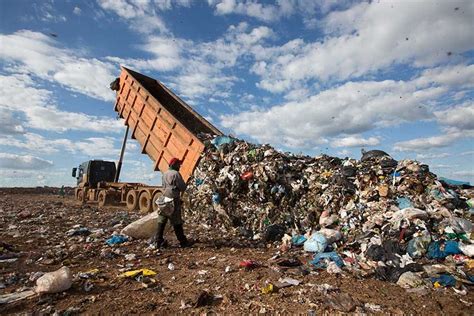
<point x="54" y="282"/>
<point x="204" y="299"/>
<point x="341" y="301"/>
<point x="285" y="282"/>
<point x="269" y="288"/>
<point x="16" y="296"/>
<point x="248" y="264"/>
<point x="116" y="239"/>
<point x="142" y="228"/>
<point x="134" y="273"/>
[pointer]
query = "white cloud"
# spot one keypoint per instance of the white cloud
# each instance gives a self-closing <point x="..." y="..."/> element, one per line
<point x="36" y="53"/>
<point x="273" y="12"/>
<point x="460" y="117"/>
<point x="29" y="178"/>
<point x="46" y="12"/>
<point x="420" y="144"/>
<point x="348" y="109"/>
<point x="166" y="51"/>
<point x="201" y="66"/>
<point x="9" y="123"/>
<point x="13" y="161"/>
<point x="443" y="166"/>
<point x="77" y="11"/>
<point x="467" y="153"/>
<point x="344" y="153"/>
<point x="354" y="47"/>
<point x="457" y="123"/>
<point x="40" y="111"/>
<point x="93" y="146"/>
<point x="429" y="156"/>
<point x="143" y="15"/>
<point x="464" y="173"/>
<point x="250" y="8"/>
<point x="355" y="141"/>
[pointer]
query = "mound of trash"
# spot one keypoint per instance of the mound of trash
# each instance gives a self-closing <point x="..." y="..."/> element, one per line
<point x="380" y="214"/>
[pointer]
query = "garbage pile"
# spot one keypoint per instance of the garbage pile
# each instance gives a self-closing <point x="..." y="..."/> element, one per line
<point x="373" y="215"/>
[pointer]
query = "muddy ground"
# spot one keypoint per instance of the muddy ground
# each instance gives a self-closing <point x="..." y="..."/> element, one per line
<point x="36" y="227"/>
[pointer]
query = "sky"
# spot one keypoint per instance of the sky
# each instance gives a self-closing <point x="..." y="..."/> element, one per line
<point x="306" y="76"/>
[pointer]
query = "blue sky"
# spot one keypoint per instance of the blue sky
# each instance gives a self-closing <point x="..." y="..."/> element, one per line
<point x="309" y="76"/>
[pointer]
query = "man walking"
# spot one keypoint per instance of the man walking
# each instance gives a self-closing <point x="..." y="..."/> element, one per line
<point x="173" y="185"/>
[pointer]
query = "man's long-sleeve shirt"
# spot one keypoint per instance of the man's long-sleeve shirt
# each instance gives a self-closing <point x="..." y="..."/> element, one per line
<point x="173" y="184"/>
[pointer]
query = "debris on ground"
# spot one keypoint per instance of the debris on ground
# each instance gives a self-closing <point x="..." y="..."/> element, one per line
<point x="370" y="247"/>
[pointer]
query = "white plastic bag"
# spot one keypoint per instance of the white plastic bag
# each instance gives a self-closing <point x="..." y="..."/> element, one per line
<point x="165" y="206"/>
<point x="316" y="243"/>
<point x="331" y="235"/>
<point x="54" y="282"/>
<point x="143" y="228"/>
<point x="409" y="280"/>
<point x="468" y="250"/>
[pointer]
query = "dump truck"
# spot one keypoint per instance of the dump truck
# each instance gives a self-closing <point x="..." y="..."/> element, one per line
<point x="164" y="126"/>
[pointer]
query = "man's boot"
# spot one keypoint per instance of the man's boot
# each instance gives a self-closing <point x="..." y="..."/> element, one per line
<point x="159" y="241"/>
<point x="183" y="241"/>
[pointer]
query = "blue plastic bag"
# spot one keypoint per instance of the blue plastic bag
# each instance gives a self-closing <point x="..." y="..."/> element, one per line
<point x="319" y="260"/>
<point x="404" y="202"/>
<point x="221" y="140"/>
<point x="435" y="250"/>
<point x="316" y="243"/>
<point x="417" y="246"/>
<point x="298" y="240"/>
<point x="116" y="239"/>
<point x="444" y="280"/>
<point x="216" y="198"/>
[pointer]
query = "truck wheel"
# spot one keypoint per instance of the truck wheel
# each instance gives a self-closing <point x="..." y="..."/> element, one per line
<point x="145" y="202"/>
<point x="81" y="196"/>
<point x="132" y="200"/>
<point x="156" y="196"/>
<point x="102" y="197"/>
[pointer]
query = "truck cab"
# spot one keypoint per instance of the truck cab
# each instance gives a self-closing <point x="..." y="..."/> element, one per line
<point x="91" y="172"/>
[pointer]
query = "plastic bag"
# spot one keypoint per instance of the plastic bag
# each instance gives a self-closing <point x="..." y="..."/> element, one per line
<point x="298" y="240"/>
<point x="316" y="243"/>
<point x="409" y="280"/>
<point x="221" y="140"/>
<point x="417" y="246"/>
<point x="134" y="273"/>
<point x="116" y="239"/>
<point x="461" y="225"/>
<point x="331" y="235"/>
<point x="320" y="259"/>
<point x="143" y="228"/>
<point x="165" y="206"/>
<point x="438" y="250"/>
<point x="404" y="202"/>
<point x="468" y="250"/>
<point x="54" y="282"/>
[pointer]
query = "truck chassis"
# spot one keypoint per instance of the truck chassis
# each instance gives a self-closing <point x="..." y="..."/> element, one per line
<point x="135" y="196"/>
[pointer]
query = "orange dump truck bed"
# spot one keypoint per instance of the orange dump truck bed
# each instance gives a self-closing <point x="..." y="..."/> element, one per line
<point x="163" y="124"/>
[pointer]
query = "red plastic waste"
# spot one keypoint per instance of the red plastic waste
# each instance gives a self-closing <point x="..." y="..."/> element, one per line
<point x="247" y="175"/>
<point x="248" y="264"/>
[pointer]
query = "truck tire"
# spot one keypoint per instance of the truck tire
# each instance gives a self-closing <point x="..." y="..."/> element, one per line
<point x="132" y="200"/>
<point x="81" y="196"/>
<point x="145" y="202"/>
<point x="102" y="197"/>
<point x="156" y="196"/>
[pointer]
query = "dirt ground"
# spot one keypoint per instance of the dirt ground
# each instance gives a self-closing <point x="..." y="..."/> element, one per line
<point x="36" y="227"/>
